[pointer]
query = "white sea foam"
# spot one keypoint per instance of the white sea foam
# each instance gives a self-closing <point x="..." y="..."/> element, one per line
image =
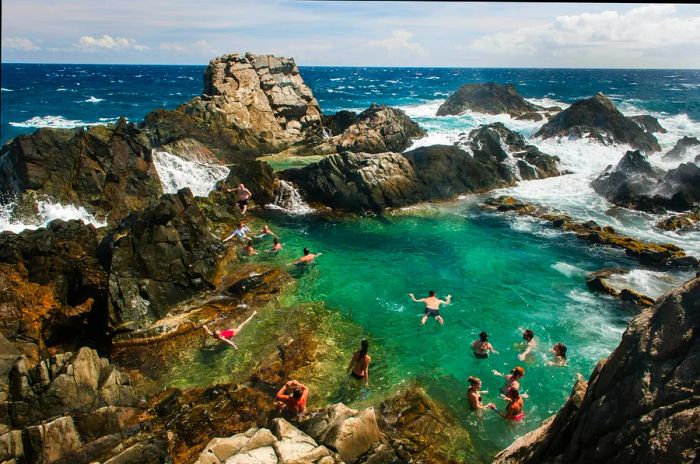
<point x="94" y="100"/>
<point x="53" y="121"/>
<point x="569" y="270"/>
<point x="290" y="200"/>
<point x="650" y="283"/>
<point x="176" y="173"/>
<point x="6" y="90"/>
<point x="48" y="210"/>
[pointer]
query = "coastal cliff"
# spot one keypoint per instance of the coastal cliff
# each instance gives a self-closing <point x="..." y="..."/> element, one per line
<point x="640" y="405"/>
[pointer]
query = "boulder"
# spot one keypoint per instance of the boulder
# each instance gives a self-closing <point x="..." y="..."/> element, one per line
<point x="685" y="147"/>
<point x="160" y="257"/>
<point x="635" y="183"/>
<point x="648" y="123"/>
<point x="489" y="98"/>
<point x="597" y="118"/>
<point x="681" y="222"/>
<point x="104" y="169"/>
<point x="641" y="404"/>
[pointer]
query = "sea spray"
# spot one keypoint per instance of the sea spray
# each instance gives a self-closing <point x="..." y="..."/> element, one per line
<point x="177" y="173"/>
<point x="289" y="200"/>
<point x="47" y="210"/>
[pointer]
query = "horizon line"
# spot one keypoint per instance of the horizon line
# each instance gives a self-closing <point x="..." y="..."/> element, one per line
<point x="349" y="66"/>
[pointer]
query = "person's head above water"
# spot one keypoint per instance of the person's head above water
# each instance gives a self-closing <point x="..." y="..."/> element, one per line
<point x="431" y="293"/>
<point x="513" y="393"/>
<point x="306" y="251"/>
<point x="364" y="347"/>
<point x="560" y="350"/>
<point x="474" y="381"/>
<point x="484" y="337"/>
<point x="518" y="372"/>
<point x="528" y="335"/>
<point x="275" y="240"/>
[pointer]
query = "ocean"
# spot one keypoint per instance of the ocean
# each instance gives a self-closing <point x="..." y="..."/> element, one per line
<point x="504" y="273"/>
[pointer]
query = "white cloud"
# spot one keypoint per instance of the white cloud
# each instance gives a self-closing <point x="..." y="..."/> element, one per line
<point x="399" y="42"/>
<point x="646" y="28"/>
<point x="107" y="42"/>
<point x="19" y="43"/>
<point x="197" y="46"/>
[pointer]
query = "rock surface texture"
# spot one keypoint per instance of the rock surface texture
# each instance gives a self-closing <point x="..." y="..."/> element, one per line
<point x="635" y="183"/>
<point x="494" y="157"/>
<point x="597" y="118"/>
<point x="687" y="147"/>
<point x="641" y="404"/>
<point x="489" y="98"/>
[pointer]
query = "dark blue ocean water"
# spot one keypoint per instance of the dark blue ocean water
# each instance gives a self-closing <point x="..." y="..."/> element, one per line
<point x="63" y="95"/>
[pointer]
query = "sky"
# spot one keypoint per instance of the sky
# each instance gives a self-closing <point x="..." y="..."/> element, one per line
<point x="343" y="33"/>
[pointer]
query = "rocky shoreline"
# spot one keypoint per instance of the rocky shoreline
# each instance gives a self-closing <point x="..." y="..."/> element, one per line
<point x="90" y="317"/>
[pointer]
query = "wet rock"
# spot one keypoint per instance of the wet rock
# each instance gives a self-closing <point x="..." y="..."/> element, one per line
<point x="349" y="432"/>
<point x="635" y="184"/>
<point x="489" y="98"/>
<point x="597" y="118"/>
<point x="648" y="123"/>
<point x="640" y="404"/>
<point x="160" y="257"/>
<point x="684" y="147"/>
<point x="104" y="169"/>
<point x="681" y="222"/>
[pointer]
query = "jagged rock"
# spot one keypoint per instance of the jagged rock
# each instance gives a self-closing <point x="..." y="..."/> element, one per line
<point x="349" y="432"/>
<point x="648" y="123"/>
<point x="635" y="183"/>
<point x="489" y="98"/>
<point x="681" y="222"/>
<point x="598" y="118"/>
<point x="104" y="169"/>
<point x="160" y="257"/>
<point x="683" y="147"/>
<point x="366" y="182"/>
<point x="641" y="404"/>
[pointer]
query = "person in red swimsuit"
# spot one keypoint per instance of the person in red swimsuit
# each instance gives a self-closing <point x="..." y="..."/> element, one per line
<point x="292" y="397"/>
<point x="514" y="410"/>
<point x="227" y="334"/>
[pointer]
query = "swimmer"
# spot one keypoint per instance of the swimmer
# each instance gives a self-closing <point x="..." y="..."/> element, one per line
<point x="239" y="232"/>
<point x="514" y="410"/>
<point x="529" y="336"/>
<point x="432" y="306"/>
<point x="266" y="231"/>
<point x="292" y="397"/>
<point x="512" y="379"/>
<point x="559" y="351"/>
<point x="248" y="249"/>
<point x="308" y="257"/>
<point x="276" y="245"/>
<point x="359" y="364"/>
<point x="474" y="394"/>
<point x="226" y="335"/>
<point x="482" y="346"/>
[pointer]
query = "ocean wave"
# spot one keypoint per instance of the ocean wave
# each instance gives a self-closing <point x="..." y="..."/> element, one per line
<point x="569" y="270"/>
<point x="94" y="100"/>
<point x="48" y="210"/>
<point x="6" y="90"/>
<point x="650" y="283"/>
<point x="56" y="122"/>
<point x="547" y="102"/>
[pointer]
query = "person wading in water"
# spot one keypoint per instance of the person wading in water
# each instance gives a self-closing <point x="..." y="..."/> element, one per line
<point x="359" y="364"/>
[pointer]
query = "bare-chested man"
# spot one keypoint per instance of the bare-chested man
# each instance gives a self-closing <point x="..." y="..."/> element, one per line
<point x="243" y="196"/>
<point x="432" y="306"/>
<point x="308" y="257"/>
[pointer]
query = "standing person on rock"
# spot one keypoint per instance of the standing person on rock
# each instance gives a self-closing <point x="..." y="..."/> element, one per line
<point x="359" y="364"/>
<point x="432" y="306"/>
<point x="243" y="196"/>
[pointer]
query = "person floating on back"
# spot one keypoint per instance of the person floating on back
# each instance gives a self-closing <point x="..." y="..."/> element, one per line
<point x="482" y="346"/>
<point x="359" y="364"/>
<point x="226" y="335"/>
<point x="559" y="351"/>
<point x="291" y="398"/>
<point x="529" y="337"/>
<point x="432" y="306"/>
<point x="308" y="257"/>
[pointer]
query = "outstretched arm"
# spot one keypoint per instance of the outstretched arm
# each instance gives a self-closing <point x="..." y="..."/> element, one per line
<point x="230" y="342"/>
<point x="448" y="300"/>
<point x="524" y="354"/>
<point x="414" y="298"/>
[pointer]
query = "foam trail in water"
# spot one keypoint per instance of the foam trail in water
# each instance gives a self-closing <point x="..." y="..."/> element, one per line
<point x="56" y="122"/>
<point x="47" y="211"/>
<point x="176" y="173"/>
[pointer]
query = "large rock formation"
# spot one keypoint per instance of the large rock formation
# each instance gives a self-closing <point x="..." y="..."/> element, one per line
<point x="635" y="183"/>
<point x="641" y="404"/>
<point x="489" y="98"/>
<point x="493" y="157"/>
<point x="104" y="169"/>
<point x="159" y="257"/>
<point x="687" y="147"/>
<point x="597" y="118"/>
<point x="648" y="123"/>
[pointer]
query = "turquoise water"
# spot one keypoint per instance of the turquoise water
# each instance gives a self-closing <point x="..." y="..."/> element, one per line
<point x="500" y="279"/>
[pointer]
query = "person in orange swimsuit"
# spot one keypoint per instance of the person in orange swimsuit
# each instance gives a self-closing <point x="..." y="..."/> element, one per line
<point x="514" y="410"/>
<point x="359" y="364"/>
<point x="292" y="397"/>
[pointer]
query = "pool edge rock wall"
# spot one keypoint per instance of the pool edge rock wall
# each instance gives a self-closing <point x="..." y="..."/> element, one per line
<point x="641" y="404"/>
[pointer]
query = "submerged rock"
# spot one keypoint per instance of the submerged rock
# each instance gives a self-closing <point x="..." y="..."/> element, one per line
<point x="640" y="404"/>
<point x="684" y="147"/>
<point x="597" y="118"/>
<point x="104" y="169"/>
<point x="489" y="98"/>
<point x="635" y="183"/>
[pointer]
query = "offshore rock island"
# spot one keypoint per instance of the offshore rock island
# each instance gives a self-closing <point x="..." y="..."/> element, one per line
<point x="104" y="354"/>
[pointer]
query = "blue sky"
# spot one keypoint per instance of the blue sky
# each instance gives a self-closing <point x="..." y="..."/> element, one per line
<point x="354" y="33"/>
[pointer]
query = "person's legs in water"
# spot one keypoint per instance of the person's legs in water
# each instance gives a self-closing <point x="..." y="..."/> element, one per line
<point x="238" y="329"/>
<point x="425" y="317"/>
<point x="439" y="319"/>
